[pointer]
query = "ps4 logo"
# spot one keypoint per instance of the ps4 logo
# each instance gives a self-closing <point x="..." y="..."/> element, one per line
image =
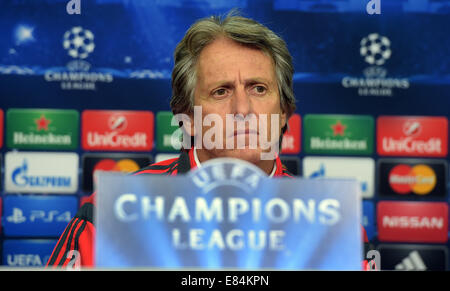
<point x="321" y="173"/>
<point x="18" y="217"/>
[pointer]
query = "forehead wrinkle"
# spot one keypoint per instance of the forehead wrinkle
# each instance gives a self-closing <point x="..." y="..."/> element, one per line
<point x="206" y="72"/>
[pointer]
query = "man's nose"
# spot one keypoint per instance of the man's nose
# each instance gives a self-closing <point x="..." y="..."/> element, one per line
<point x="242" y="102"/>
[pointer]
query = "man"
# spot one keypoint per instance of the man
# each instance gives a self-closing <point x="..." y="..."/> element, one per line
<point x="223" y="67"/>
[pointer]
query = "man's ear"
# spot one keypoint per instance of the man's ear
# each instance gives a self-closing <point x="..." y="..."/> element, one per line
<point x="191" y="124"/>
<point x="283" y="118"/>
<point x="186" y="123"/>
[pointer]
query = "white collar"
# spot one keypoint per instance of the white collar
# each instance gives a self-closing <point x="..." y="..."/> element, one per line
<point x="199" y="165"/>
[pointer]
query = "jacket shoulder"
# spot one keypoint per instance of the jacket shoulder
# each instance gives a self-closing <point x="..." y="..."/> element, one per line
<point x="167" y="167"/>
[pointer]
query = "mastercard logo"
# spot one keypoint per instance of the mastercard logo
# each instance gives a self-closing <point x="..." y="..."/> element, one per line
<point x="124" y="165"/>
<point x="419" y="179"/>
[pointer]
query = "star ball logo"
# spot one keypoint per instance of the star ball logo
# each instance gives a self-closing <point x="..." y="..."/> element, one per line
<point x="375" y="49"/>
<point x="79" y="42"/>
<point x="80" y="45"/>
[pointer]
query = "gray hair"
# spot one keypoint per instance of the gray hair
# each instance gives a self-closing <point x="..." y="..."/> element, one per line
<point x="242" y="30"/>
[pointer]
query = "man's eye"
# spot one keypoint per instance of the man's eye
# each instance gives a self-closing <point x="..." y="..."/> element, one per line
<point x="259" y="89"/>
<point x="220" y="92"/>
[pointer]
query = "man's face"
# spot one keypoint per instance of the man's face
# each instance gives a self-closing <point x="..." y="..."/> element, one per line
<point x="237" y="80"/>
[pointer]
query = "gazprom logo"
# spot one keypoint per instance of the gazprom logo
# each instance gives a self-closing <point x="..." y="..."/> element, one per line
<point x="21" y="178"/>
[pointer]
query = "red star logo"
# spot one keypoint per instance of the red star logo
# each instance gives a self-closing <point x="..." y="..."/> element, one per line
<point x="42" y="123"/>
<point x="338" y="128"/>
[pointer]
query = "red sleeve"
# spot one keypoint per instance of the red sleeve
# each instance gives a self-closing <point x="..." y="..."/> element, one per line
<point x="75" y="246"/>
<point x="366" y="265"/>
<point x="364" y="235"/>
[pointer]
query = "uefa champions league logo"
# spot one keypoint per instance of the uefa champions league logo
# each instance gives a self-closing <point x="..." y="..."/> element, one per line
<point x="227" y="172"/>
<point x="375" y="49"/>
<point x="79" y="42"/>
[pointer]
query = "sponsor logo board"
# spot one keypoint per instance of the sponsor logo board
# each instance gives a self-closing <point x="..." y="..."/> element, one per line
<point x="407" y="221"/>
<point x="40" y="172"/>
<point x="118" y="162"/>
<point x="412" y="177"/>
<point x="114" y="130"/>
<point x="292" y="137"/>
<point x="413" y="136"/>
<point x="38" y="215"/>
<point x="408" y="257"/>
<point x="45" y="129"/>
<point x="166" y="138"/>
<point x="338" y="134"/>
<point x="361" y="169"/>
<point x="27" y="252"/>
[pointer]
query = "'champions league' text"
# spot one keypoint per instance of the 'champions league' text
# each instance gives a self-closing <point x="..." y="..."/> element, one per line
<point x="130" y="207"/>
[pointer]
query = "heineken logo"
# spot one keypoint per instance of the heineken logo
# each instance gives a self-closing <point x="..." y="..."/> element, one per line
<point x="168" y="135"/>
<point x="338" y="134"/>
<point x="338" y="128"/>
<point x="42" y="129"/>
<point x="42" y="123"/>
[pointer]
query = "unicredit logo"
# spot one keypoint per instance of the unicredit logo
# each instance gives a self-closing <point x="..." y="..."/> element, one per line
<point x="409" y="145"/>
<point x="117" y="123"/>
<point x="411" y="128"/>
<point x="114" y="139"/>
<point x="117" y="130"/>
<point x="412" y="136"/>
